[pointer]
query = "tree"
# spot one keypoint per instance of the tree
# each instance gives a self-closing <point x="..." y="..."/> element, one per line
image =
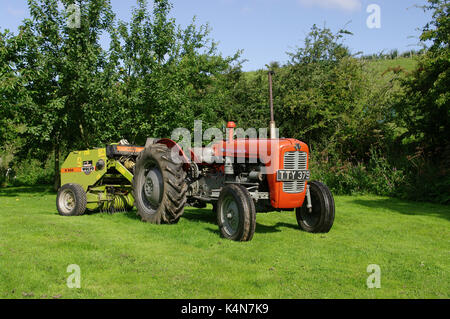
<point x="424" y="106"/>
<point x="60" y="90"/>
<point x="12" y="98"/>
<point x="423" y="109"/>
<point x="323" y="100"/>
<point x="64" y="71"/>
<point x="169" y="75"/>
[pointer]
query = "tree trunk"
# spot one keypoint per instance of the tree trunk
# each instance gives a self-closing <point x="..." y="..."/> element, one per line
<point x="57" y="180"/>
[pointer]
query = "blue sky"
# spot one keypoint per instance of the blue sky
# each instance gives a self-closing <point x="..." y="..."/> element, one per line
<point x="266" y="29"/>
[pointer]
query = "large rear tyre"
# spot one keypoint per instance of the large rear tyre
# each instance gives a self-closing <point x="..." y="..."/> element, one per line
<point x="159" y="186"/>
<point x="321" y="218"/>
<point x="236" y="214"/>
<point x="71" y="200"/>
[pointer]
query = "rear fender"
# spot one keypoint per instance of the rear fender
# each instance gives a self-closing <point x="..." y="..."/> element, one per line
<point x="177" y="152"/>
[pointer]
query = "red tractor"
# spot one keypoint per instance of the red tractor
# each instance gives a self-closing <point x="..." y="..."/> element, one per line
<point x="239" y="177"/>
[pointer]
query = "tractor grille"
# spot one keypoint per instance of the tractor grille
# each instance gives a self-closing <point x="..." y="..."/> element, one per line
<point x="295" y="161"/>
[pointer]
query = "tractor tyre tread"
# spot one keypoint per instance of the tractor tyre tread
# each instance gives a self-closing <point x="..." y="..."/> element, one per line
<point x="174" y="190"/>
<point x="243" y="204"/>
<point x="327" y="209"/>
<point x="252" y="209"/>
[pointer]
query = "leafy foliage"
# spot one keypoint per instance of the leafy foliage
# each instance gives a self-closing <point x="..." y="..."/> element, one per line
<point x="424" y="109"/>
<point x="372" y="127"/>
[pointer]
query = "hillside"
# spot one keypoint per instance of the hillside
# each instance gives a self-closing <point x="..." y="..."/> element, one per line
<point x="380" y="66"/>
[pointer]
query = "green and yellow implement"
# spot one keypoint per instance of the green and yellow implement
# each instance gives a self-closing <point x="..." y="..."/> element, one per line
<point x="98" y="180"/>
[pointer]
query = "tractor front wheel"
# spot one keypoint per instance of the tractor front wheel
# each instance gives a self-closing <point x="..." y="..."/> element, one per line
<point x="236" y="213"/>
<point x="321" y="217"/>
<point x="71" y="200"/>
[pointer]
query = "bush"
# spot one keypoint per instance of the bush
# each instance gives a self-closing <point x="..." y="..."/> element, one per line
<point x="378" y="176"/>
<point x="428" y="180"/>
<point x="385" y="179"/>
<point x="33" y="172"/>
<point x="6" y="158"/>
<point x="417" y="178"/>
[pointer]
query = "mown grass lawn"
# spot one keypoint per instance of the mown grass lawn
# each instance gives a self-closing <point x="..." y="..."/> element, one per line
<point x="121" y="257"/>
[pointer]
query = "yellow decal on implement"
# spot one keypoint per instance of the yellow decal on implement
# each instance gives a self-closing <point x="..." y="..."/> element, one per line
<point x="101" y="152"/>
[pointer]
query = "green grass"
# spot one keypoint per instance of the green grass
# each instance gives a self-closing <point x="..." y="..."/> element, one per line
<point x="381" y="65"/>
<point x="121" y="257"/>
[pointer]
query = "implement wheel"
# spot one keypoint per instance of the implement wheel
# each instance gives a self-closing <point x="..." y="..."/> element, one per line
<point x="71" y="200"/>
<point x="159" y="186"/>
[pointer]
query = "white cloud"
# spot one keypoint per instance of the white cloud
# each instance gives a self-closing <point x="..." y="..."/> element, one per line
<point x="15" y="12"/>
<point x="348" y="5"/>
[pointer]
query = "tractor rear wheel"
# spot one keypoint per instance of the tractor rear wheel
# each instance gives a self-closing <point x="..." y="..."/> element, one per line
<point x="71" y="200"/>
<point x="159" y="186"/>
<point x="236" y="213"/>
<point x="321" y="218"/>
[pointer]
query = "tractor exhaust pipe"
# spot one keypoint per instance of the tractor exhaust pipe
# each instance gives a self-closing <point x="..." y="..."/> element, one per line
<point x="272" y="125"/>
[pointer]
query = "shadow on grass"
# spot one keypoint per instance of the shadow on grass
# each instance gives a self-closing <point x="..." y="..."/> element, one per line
<point x="132" y="214"/>
<point x="200" y="214"/>
<point x="207" y="216"/>
<point x="407" y="207"/>
<point x="274" y="228"/>
<point x="27" y="190"/>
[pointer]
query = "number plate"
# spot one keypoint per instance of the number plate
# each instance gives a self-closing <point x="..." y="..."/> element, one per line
<point x="293" y="175"/>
